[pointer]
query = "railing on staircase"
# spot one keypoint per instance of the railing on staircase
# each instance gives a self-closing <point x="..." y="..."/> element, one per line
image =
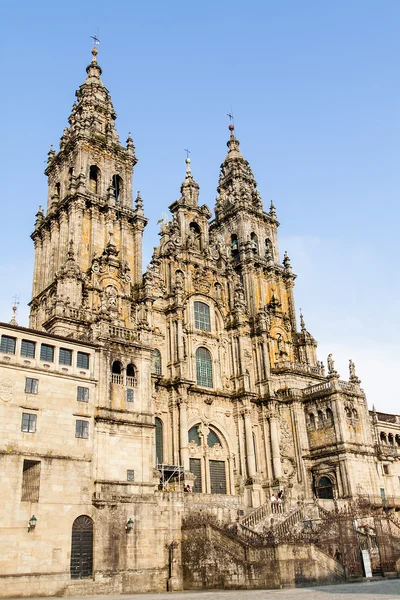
<point x="285" y="527"/>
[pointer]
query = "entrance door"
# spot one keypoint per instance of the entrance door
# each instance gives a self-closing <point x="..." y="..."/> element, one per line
<point x="195" y="468"/>
<point x="217" y="476"/>
<point x="82" y="548"/>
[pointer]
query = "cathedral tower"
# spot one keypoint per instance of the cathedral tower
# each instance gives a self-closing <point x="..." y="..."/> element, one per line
<point x="88" y="242"/>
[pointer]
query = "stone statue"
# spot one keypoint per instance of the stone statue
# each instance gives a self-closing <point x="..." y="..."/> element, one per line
<point x="331" y="364"/>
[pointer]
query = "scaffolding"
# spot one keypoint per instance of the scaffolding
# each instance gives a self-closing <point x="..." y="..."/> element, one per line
<point x="172" y="478"/>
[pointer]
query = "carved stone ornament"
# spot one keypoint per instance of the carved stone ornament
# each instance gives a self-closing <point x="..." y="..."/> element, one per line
<point x="6" y="390"/>
<point x="201" y="281"/>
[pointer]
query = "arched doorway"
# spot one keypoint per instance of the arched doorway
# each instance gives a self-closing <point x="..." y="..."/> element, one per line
<point x="82" y="548"/>
<point x="208" y="460"/>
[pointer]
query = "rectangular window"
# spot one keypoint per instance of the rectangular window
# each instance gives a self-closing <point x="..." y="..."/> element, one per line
<point x="28" y="349"/>
<point x="82" y="360"/>
<point x="47" y="353"/>
<point x="65" y="357"/>
<point x="82" y="429"/>
<point x="83" y="394"/>
<point x="28" y="423"/>
<point x="202" y="316"/>
<point x="30" y="481"/>
<point x="31" y="385"/>
<point x="7" y="344"/>
<point x="386" y="469"/>
<point x="130" y="475"/>
<point x="129" y="395"/>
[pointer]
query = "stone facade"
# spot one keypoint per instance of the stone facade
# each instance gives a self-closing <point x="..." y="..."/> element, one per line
<point x="126" y="388"/>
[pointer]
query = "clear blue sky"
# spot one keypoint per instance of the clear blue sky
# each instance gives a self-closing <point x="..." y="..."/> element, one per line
<point x="314" y="87"/>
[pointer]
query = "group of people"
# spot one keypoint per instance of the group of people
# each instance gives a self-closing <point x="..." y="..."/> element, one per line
<point x="277" y="502"/>
<point x="187" y="488"/>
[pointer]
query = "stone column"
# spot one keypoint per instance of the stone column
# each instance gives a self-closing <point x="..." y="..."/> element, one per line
<point x="38" y="261"/>
<point x="250" y="458"/>
<point x="276" y="455"/>
<point x="183" y="434"/>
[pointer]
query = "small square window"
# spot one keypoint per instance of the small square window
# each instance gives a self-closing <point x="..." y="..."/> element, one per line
<point x="83" y="394"/>
<point x="82" y="429"/>
<point x="7" y="344"/>
<point x="130" y="475"/>
<point x="47" y="353"/>
<point x="129" y="395"/>
<point x="31" y="385"/>
<point x="82" y="360"/>
<point x="28" y="423"/>
<point x="65" y="357"/>
<point x="28" y="349"/>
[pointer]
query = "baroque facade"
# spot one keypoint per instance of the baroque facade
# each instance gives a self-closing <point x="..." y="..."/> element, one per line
<point x="127" y="387"/>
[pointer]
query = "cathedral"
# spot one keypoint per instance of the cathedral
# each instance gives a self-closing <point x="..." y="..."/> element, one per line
<point x="134" y="403"/>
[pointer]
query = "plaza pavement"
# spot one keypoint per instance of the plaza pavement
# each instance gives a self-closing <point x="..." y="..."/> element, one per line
<point x="386" y="589"/>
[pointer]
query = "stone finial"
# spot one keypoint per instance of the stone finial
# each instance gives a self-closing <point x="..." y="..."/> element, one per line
<point x="272" y="210"/>
<point x="14" y="316"/>
<point x="130" y="147"/>
<point x="139" y="203"/>
<point x="286" y="261"/>
<point x="302" y="323"/>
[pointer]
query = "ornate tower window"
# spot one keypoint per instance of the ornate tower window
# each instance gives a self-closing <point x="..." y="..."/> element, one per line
<point x="116" y="372"/>
<point x="254" y="242"/>
<point x="94" y="179"/>
<point x="117" y="185"/>
<point x="157" y="368"/>
<point x="202" y="316"/>
<point x="234" y="244"/>
<point x="204" y="367"/>
<point x="131" y="375"/>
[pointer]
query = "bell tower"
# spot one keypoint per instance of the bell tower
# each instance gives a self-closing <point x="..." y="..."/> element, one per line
<point x="88" y="242"/>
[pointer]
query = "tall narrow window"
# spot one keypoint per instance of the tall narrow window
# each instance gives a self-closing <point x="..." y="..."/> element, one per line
<point x="82" y="394"/>
<point x="82" y="548"/>
<point x="157" y="362"/>
<point x="31" y="385"/>
<point x="94" y="178"/>
<point x="82" y="429"/>
<point x="28" y="424"/>
<point x="116" y="372"/>
<point x="195" y="468"/>
<point x="131" y="375"/>
<point x="30" y="481"/>
<point x="28" y="349"/>
<point x="159" y="441"/>
<point x="65" y="357"/>
<point x="47" y="353"/>
<point x="202" y="316"/>
<point x="204" y="367"/>
<point x="82" y="360"/>
<point x="7" y="344"/>
<point x="117" y="185"/>
<point x="234" y="244"/>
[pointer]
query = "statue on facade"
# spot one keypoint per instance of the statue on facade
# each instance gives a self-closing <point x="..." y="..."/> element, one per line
<point x="331" y="364"/>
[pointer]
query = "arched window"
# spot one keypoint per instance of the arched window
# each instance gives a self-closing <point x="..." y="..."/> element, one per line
<point x="204" y="367"/>
<point x="254" y="242"/>
<point x="202" y="316"/>
<point x="70" y="176"/>
<point x="194" y="435"/>
<point x="94" y="179"/>
<point x="355" y="413"/>
<point x="268" y="249"/>
<point x="212" y="439"/>
<point x="312" y="420"/>
<point x="117" y="185"/>
<point x="159" y="441"/>
<point x="398" y="440"/>
<point x="58" y="189"/>
<point x="157" y="370"/>
<point x="131" y="375"/>
<point x="116" y="372"/>
<point x="383" y="437"/>
<point x="81" y="565"/>
<point x="325" y="488"/>
<point x="391" y="439"/>
<point x="348" y="412"/>
<point x="320" y="419"/>
<point x="329" y="416"/>
<point x="234" y="244"/>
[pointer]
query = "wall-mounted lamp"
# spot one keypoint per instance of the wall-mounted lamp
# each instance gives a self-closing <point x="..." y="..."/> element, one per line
<point x="129" y="526"/>
<point x="32" y="523"/>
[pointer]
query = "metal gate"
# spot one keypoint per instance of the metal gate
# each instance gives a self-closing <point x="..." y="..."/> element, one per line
<point x="195" y="468"/>
<point x="82" y="548"/>
<point x="217" y="477"/>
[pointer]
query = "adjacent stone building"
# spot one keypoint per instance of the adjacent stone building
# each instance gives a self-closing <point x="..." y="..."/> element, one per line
<point x="126" y="387"/>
